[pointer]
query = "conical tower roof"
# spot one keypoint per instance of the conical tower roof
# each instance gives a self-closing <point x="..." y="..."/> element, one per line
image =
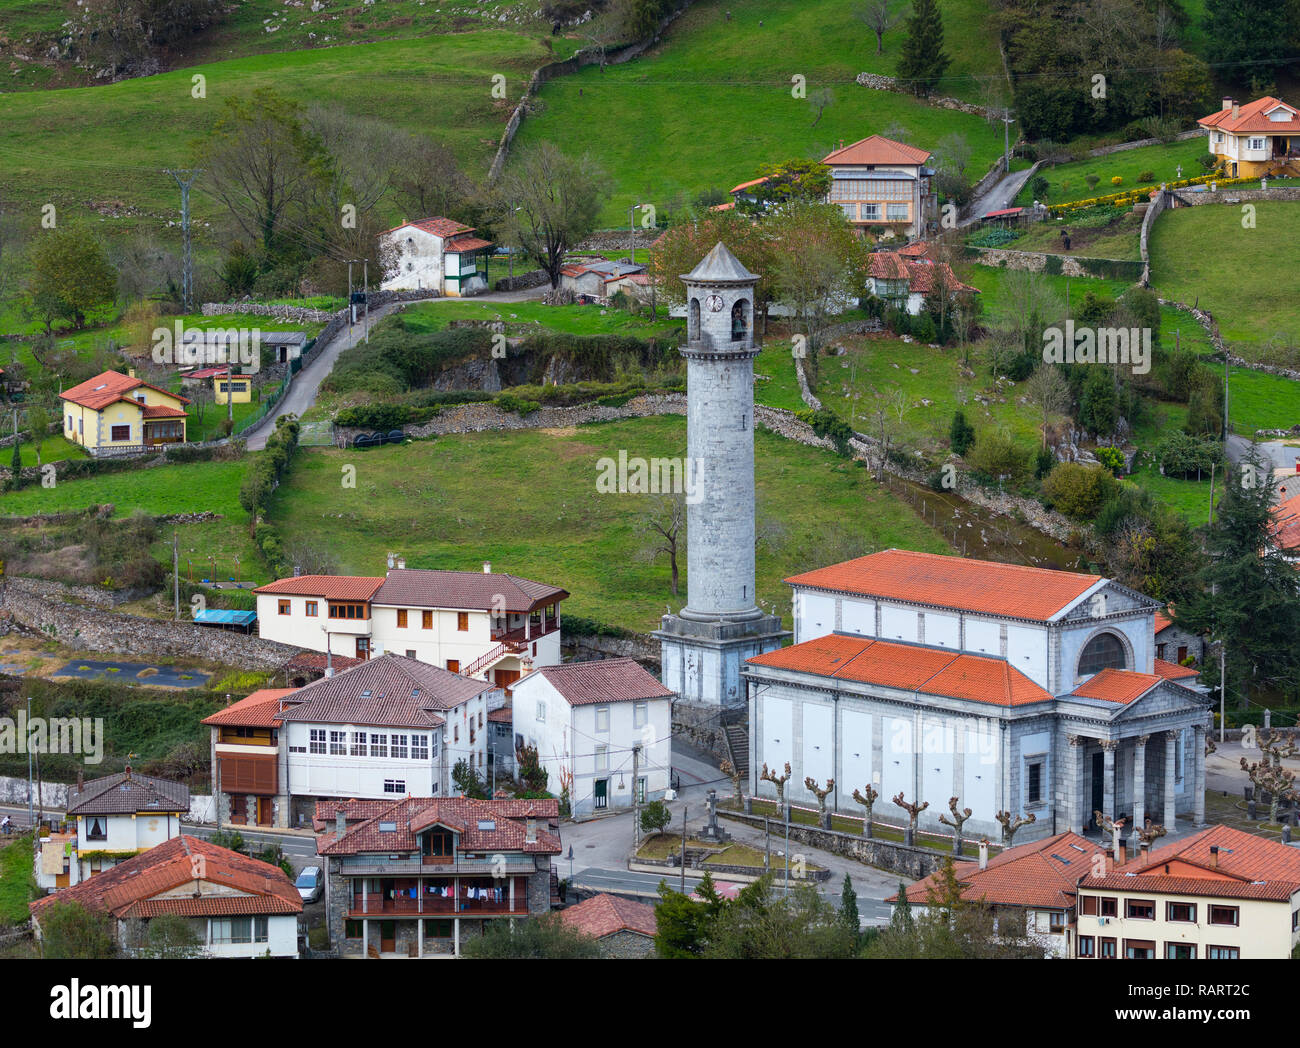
<point x="720" y="266"/>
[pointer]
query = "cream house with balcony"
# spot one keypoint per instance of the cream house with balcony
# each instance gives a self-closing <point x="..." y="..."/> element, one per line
<point x="1259" y="138"/>
<point x="491" y="626"/>
<point x="1222" y="894"/>
<point x="115" y="414"/>
<point x="883" y="185"/>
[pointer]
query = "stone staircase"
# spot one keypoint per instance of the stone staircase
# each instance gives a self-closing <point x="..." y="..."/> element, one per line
<point x="737" y="736"/>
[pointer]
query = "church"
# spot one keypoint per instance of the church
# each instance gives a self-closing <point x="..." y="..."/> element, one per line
<point x="1012" y="688"/>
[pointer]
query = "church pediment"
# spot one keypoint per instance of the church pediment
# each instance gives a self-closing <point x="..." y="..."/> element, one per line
<point x="1109" y="598"/>
<point x="1160" y="699"/>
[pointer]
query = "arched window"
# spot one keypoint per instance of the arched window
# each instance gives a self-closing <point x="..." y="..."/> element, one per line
<point x="739" y="320"/>
<point x="693" y="322"/>
<point x="1103" y="651"/>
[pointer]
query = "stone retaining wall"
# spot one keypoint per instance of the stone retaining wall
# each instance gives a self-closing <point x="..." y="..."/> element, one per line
<point x="912" y="862"/>
<point x="1036" y="261"/>
<point x="37" y="605"/>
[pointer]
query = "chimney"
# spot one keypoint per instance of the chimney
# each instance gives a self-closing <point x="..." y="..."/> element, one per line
<point x="1214" y="856"/>
<point x="1236" y="110"/>
<point x="984" y="855"/>
<point x="130" y="372"/>
<point x="81" y="781"/>
<point x="229" y="699"/>
<point x="1144" y="851"/>
<point x="128" y="773"/>
<point x="1227" y="103"/>
<point x="329" y="671"/>
<point x="297" y="570"/>
<point x="391" y="558"/>
<point x="340" y="824"/>
<point x="487" y="567"/>
<point x="530" y="829"/>
<point x="1121" y="850"/>
<point x="401" y="563"/>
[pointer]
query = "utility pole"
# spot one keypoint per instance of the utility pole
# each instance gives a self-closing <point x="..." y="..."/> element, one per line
<point x="1007" y="121"/>
<point x="31" y="800"/>
<point x="636" y="798"/>
<point x="1223" y="689"/>
<point x="787" y="848"/>
<point x="1227" y="363"/>
<point x="365" y="276"/>
<point x="176" y="578"/>
<point x="187" y="263"/>
<point x="352" y="310"/>
<point x="683" y="847"/>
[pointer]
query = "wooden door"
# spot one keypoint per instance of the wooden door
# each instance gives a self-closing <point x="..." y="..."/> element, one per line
<point x="363" y="647"/>
<point x="505" y="678"/>
<point x="264" y="811"/>
<point x="387" y="936"/>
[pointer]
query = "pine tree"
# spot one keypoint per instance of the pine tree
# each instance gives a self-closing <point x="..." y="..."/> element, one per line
<point x="1246" y="594"/>
<point x="923" y="60"/>
<point x="961" y="434"/>
<point x="849" y="906"/>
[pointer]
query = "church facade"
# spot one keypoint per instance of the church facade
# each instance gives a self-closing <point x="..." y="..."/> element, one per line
<point x="1017" y="689"/>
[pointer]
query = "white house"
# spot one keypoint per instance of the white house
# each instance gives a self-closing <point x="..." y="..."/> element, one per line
<point x="388" y="727"/>
<point x="436" y="254"/>
<point x="905" y="282"/>
<point x="1259" y="138"/>
<point x="1012" y="688"/>
<point x="112" y="818"/>
<point x="585" y="719"/>
<point x="883" y="185"/>
<point x="237" y="906"/>
<point x="493" y="626"/>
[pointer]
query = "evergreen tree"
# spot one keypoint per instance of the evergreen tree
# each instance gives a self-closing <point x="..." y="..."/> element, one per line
<point x="961" y="434"/>
<point x="923" y="60"/>
<point x="1251" y="38"/>
<point x="849" y="907"/>
<point x="1246" y="595"/>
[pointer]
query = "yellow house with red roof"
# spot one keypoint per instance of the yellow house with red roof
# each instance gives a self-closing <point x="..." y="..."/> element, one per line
<point x="116" y="414"/>
<point x="1259" y="138"/>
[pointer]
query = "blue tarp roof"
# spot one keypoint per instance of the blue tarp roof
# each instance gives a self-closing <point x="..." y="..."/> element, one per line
<point x="225" y="617"/>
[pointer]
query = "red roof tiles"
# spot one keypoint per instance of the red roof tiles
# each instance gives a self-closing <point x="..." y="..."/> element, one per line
<point x="131" y="888"/>
<point x="603" y="680"/>
<point x="1122" y="686"/>
<point x="261" y="709"/>
<point x="108" y="387"/>
<point x="330" y="587"/>
<point x="603" y="915"/>
<point x="1173" y="671"/>
<point x="483" y="826"/>
<point x="1253" y="118"/>
<point x="472" y="590"/>
<point x="909" y="667"/>
<point x="1286" y="524"/>
<point x="439" y="227"/>
<point x="1009" y="590"/>
<point x="877" y="149"/>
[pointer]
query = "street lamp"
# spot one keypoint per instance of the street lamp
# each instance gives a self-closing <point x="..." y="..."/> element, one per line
<point x="631" y="231"/>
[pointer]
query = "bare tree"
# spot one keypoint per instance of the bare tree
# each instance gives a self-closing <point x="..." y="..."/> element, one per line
<point x="880" y="17"/>
<point x="779" y="782"/>
<point x="956" y="822"/>
<point x="821" y="793"/>
<point x="913" y="813"/>
<point x="1049" y="393"/>
<point x="667" y="521"/>
<point x="737" y="781"/>
<point x="867" y="798"/>
<point x="1011" y="823"/>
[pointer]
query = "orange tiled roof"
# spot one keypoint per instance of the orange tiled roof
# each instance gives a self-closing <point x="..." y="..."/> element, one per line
<point x="1173" y="671"/>
<point x="1164" y="619"/>
<point x="1286" y="523"/>
<point x="1040" y="874"/>
<point x="439" y="227"/>
<point x="258" y="710"/>
<point x="464" y="243"/>
<point x="877" y="149"/>
<point x="1246" y="867"/>
<point x="1009" y="590"/>
<point x="920" y="276"/>
<point x="909" y="667"/>
<point x="131" y="887"/>
<point x="1253" y="118"/>
<point x="331" y="587"/>
<point x="746" y="185"/>
<point x="108" y="387"/>
<point x="483" y="826"/>
<point x="603" y="915"/>
<point x="1122" y="686"/>
<point x="161" y="411"/>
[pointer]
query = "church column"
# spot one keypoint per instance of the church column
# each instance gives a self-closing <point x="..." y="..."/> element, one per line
<point x="1198" y="809"/>
<point x="1108" y="782"/>
<point x="1139" y="781"/>
<point x="1074" y="820"/>
<point x="1171" y="743"/>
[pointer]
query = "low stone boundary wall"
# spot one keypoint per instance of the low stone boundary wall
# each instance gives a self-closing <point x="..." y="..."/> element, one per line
<point x="906" y="861"/>
<point x="32" y="604"/>
<point x="1067" y="265"/>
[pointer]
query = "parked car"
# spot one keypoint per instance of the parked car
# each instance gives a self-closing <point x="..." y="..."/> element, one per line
<point x="310" y="883"/>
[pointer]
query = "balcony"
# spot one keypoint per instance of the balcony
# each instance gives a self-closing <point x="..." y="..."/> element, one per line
<point x="435" y="865"/>
<point x="514" y="639"/>
<point x="435" y="906"/>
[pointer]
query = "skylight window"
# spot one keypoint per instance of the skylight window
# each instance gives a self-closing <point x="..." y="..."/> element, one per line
<point x="388" y="827"/>
<point x="487" y="824"/>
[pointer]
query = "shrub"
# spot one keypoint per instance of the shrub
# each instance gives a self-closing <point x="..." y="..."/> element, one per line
<point x="1038" y="186"/>
<point x="996" y="455"/>
<point x="374" y="416"/>
<point x="1077" y="490"/>
<point x="829" y="425"/>
<point x="961" y="434"/>
<point x="1112" y="459"/>
<point x="1117" y="180"/>
<point x="1147" y="176"/>
<point x="511" y="402"/>
<point x="1092" y="180"/>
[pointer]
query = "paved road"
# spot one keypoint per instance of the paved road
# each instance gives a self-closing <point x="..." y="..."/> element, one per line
<point x="999" y="196"/>
<point x="302" y="392"/>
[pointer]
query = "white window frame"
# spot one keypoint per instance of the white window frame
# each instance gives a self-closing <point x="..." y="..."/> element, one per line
<point x="602" y="719"/>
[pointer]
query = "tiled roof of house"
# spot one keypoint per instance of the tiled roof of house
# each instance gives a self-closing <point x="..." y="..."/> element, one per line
<point x="876" y="149"/>
<point x="161" y="411"/>
<point x="1040" y="874"/>
<point x="465" y="243"/>
<point x="483" y="826"/>
<point x="261" y="709"/>
<point x="130" y="888"/>
<point x="604" y="914"/>
<point x="602" y="681"/>
<point x="472" y="590"/>
<point x="920" y="276"/>
<point x="502" y="715"/>
<point x="1246" y="867"/>
<point x="108" y="387"/>
<point x="330" y="587"/>
<point x="128" y="792"/>
<point x="1286" y="523"/>
<point x="439" y="227"/>
<point x="387" y="691"/>
<point x="909" y="667"/>
<point x="1173" y="671"/>
<point x="319" y="661"/>
<point x="1112" y="685"/>
<point x="916" y="249"/>
<point x="1010" y="590"/>
<point x="747" y="185"/>
<point x="1253" y="117"/>
<point x="1164" y="619"/>
<point x="358" y="809"/>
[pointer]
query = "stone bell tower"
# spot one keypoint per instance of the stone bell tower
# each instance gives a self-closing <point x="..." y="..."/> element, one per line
<point x="721" y="625"/>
